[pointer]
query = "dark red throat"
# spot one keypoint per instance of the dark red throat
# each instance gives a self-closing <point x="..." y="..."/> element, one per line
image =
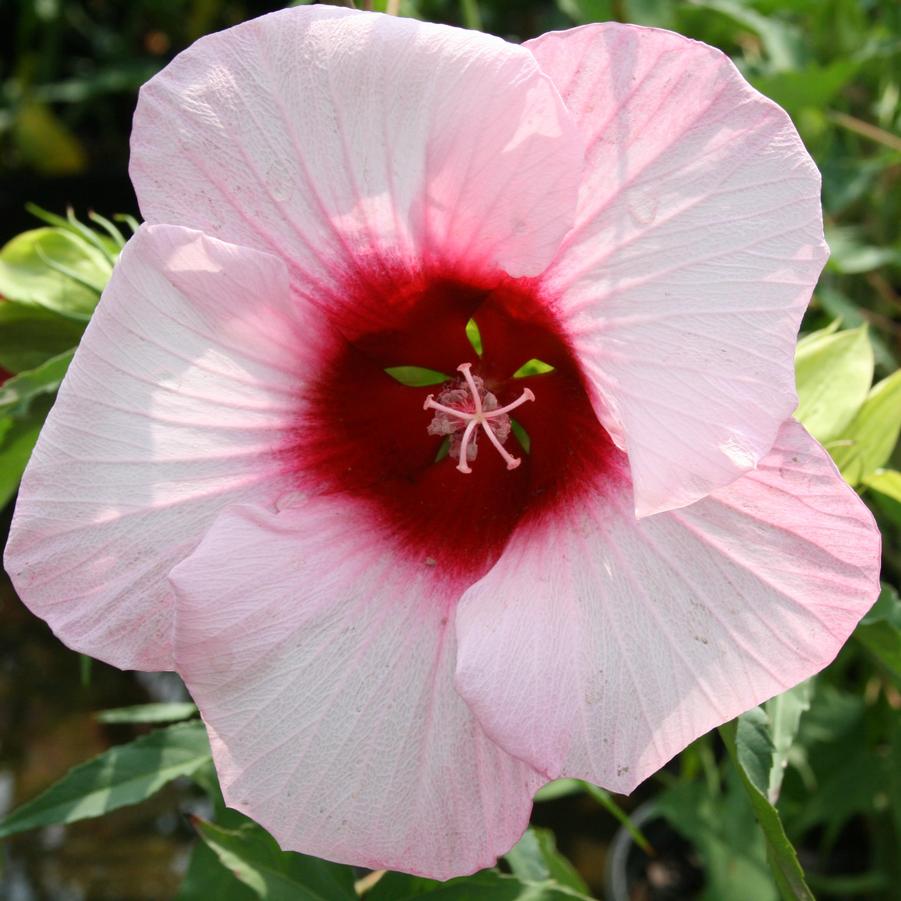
<point x="365" y="434"/>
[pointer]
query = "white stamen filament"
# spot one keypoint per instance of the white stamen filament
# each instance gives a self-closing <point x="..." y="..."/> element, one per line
<point x="479" y="417"/>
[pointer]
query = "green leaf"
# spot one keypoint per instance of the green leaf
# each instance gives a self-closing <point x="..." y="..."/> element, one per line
<point x="880" y="630"/>
<point x="474" y="336"/>
<point x="782" y="42"/>
<point x="868" y="441"/>
<point x="125" y="774"/>
<point x="532" y="367"/>
<point x="29" y="335"/>
<point x="255" y="858"/>
<point x="851" y="256"/>
<point x="521" y="435"/>
<point x="559" y="788"/>
<point x="605" y="799"/>
<point x="394" y="886"/>
<point x="834" y="373"/>
<point x="148" y="713"/>
<point x="885" y="481"/>
<point x="417" y="376"/>
<point x="45" y="143"/>
<point x="784" y="715"/>
<point x="53" y="268"/>
<point x="19" y="392"/>
<point x="207" y="879"/>
<point x="487" y="885"/>
<point x="722" y="828"/>
<point x="812" y="86"/>
<point x="535" y="858"/>
<point x="17" y="440"/>
<point x="748" y="742"/>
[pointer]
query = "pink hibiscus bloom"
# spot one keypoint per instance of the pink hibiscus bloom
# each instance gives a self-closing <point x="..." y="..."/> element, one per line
<point x="393" y="647"/>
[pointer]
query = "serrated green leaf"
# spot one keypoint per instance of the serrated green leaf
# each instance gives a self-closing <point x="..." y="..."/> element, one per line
<point x="125" y="774"/>
<point x="784" y="714"/>
<point x="148" y="713"/>
<point x="416" y="376"/>
<point x="255" y="858"/>
<point x="834" y="373"/>
<point x="71" y="289"/>
<point x="750" y="747"/>
<point x="18" y="393"/>
<point x="868" y="441"/>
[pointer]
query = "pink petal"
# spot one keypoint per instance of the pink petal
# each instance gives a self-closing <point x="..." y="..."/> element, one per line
<point x="332" y="137"/>
<point x="697" y="244"/>
<point x="175" y="405"/>
<point x="599" y="647"/>
<point x="324" y="672"/>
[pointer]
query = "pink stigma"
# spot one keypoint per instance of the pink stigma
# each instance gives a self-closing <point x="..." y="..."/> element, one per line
<point x="461" y="410"/>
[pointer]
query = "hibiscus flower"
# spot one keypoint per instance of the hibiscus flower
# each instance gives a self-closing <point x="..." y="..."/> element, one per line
<point x="402" y="608"/>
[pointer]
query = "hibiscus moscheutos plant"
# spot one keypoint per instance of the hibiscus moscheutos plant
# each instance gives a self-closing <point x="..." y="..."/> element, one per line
<point x="436" y="426"/>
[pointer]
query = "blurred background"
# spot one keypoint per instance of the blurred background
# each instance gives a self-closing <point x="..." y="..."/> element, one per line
<point x="69" y="75"/>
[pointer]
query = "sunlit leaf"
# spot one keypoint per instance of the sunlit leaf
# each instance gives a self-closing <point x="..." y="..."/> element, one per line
<point x="474" y="336"/>
<point x="208" y="879"/>
<point x="868" y="441"/>
<point x="125" y="774"/>
<point x="416" y="376"/>
<point x="559" y="788"/>
<point x="885" y="481"/>
<point x="71" y="289"/>
<point x="532" y="367"/>
<point x="255" y="858"/>
<point x="834" y="373"/>
<point x="784" y="714"/>
<point x="535" y="858"/>
<point x="750" y="747"/>
<point x="149" y="713"/>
